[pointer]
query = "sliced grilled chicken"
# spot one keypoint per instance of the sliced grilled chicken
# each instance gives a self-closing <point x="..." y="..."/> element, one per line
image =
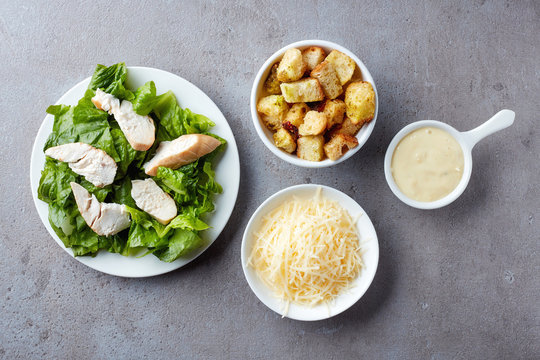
<point x="139" y="130"/>
<point x="106" y="102"/>
<point x="94" y="164"/>
<point x="181" y="151"/>
<point x="151" y="198"/>
<point x="105" y="219"/>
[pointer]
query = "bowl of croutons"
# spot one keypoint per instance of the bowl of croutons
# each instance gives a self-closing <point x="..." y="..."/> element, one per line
<point x="314" y="103"/>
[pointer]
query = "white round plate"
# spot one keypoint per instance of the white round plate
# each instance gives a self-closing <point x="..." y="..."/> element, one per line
<point x="368" y="243"/>
<point x="227" y="172"/>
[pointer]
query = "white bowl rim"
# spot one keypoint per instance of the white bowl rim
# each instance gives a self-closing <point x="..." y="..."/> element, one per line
<point x="467" y="168"/>
<point x="320" y="312"/>
<point x="364" y="133"/>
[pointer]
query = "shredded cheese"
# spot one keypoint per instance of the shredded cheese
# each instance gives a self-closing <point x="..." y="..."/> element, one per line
<point x="307" y="251"/>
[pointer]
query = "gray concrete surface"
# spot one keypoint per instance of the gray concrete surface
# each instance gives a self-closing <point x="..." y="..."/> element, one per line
<point x="461" y="282"/>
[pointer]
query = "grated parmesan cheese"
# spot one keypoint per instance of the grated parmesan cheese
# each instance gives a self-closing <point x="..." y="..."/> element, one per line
<point x="307" y="251"/>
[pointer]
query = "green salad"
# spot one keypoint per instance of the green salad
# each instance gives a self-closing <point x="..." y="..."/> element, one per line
<point x="191" y="186"/>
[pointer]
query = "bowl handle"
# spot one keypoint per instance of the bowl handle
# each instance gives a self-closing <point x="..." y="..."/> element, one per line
<point x="499" y="121"/>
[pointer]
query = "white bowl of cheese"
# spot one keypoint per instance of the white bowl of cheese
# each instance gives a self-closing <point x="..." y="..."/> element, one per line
<point x="269" y="210"/>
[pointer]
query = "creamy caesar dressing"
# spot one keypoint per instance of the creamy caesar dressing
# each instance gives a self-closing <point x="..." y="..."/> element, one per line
<point x="427" y="164"/>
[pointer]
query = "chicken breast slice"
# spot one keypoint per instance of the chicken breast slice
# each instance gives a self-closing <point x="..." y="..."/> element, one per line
<point x="103" y="218"/>
<point x="94" y="164"/>
<point x="139" y="130"/>
<point x="181" y="151"/>
<point x="106" y="102"/>
<point x="150" y="198"/>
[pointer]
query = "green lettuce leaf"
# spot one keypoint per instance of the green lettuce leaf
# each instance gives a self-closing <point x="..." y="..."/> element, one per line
<point x="81" y="124"/>
<point x="74" y="234"/>
<point x="145" y="98"/>
<point x="175" y="121"/>
<point x="181" y="242"/>
<point x="111" y="80"/>
<point x="187" y="221"/>
<point x="54" y="182"/>
<point x="181" y="183"/>
<point x="122" y="192"/>
<point x="100" y="193"/>
<point x="126" y="153"/>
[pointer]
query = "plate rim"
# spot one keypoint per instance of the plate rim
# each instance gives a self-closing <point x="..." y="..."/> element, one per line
<point x="179" y="263"/>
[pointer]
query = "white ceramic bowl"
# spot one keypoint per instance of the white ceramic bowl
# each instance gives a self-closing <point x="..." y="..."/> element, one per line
<point x="368" y="241"/>
<point x="466" y="140"/>
<point x="266" y="135"/>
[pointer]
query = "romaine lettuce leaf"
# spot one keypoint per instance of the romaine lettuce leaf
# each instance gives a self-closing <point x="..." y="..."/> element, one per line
<point x="111" y="80"/>
<point x="122" y="192"/>
<point x="126" y="153"/>
<point x="181" y="183"/>
<point x="165" y="242"/>
<point x="187" y="221"/>
<point x="81" y="124"/>
<point x="139" y="236"/>
<point x="54" y="183"/>
<point x="181" y="242"/>
<point x="175" y="121"/>
<point x="145" y="98"/>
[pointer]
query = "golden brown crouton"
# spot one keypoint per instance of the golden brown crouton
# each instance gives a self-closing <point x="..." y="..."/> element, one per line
<point x="292" y="66"/>
<point x="360" y="102"/>
<point x="284" y="140"/>
<point x="313" y="56"/>
<point x="305" y="90"/>
<point x="273" y="108"/>
<point x="357" y="74"/>
<point x="347" y="128"/>
<point x="339" y="145"/>
<point x="271" y="122"/>
<point x="296" y="114"/>
<point x="334" y="111"/>
<point x="327" y="76"/>
<point x="271" y="85"/>
<point x="311" y="148"/>
<point x="343" y="65"/>
<point x="314" y="124"/>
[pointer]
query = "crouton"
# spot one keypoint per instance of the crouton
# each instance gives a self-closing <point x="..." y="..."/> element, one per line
<point x="339" y="145"/>
<point x="357" y="74"/>
<point x="343" y="65"/>
<point x="314" y="124"/>
<point x="305" y="90"/>
<point x="271" y="122"/>
<point x="310" y="148"/>
<point x="334" y="111"/>
<point x="292" y="66"/>
<point x="313" y="56"/>
<point x="271" y="85"/>
<point x="327" y="76"/>
<point x="360" y="102"/>
<point x="284" y="140"/>
<point x="347" y="128"/>
<point x="296" y="114"/>
<point x="273" y="108"/>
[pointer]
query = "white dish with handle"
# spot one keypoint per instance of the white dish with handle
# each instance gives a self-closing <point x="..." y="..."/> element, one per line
<point x="467" y="140"/>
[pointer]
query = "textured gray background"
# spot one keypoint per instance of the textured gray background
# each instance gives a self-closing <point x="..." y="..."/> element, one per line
<point x="461" y="282"/>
